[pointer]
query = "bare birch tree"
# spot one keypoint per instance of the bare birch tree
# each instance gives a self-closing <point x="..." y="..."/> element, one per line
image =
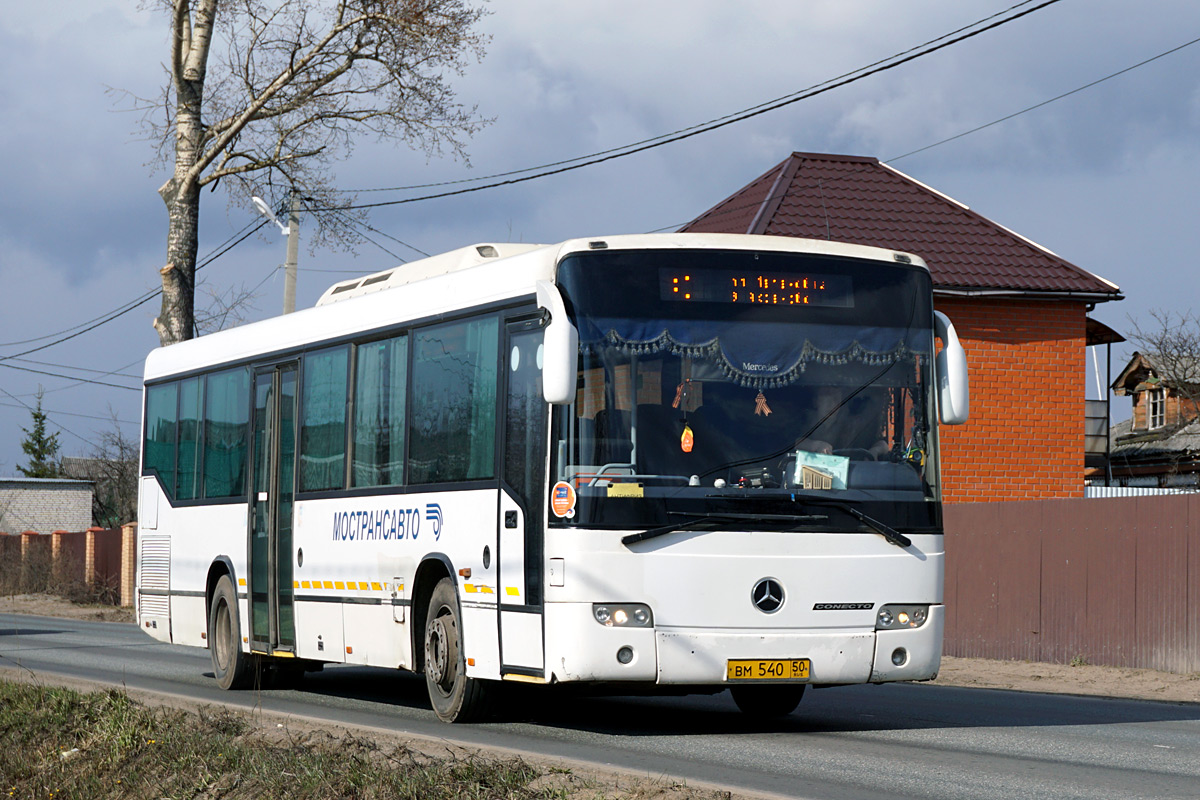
<point x="267" y="94"/>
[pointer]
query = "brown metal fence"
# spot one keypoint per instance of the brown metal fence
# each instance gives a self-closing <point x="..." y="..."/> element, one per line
<point x="96" y="564"/>
<point x="1113" y="581"/>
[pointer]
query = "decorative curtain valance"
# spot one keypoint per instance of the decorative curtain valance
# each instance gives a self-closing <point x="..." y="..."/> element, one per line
<point x="757" y="355"/>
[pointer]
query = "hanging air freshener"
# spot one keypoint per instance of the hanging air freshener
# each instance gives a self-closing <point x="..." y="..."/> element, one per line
<point x="760" y="406"/>
<point x="687" y="440"/>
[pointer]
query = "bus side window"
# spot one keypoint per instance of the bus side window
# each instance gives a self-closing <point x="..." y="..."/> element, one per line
<point x="323" y="422"/>
<point x="226" y="431"/>
<point x="187" y="474"/>
<point x="379" y="413"/>
<point x="161" y="430"/>
<point x="453" y="427"/>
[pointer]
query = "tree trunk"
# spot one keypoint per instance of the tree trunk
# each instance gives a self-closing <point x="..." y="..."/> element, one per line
<point x="176" y="320"/>
<point x="189" y="57"/>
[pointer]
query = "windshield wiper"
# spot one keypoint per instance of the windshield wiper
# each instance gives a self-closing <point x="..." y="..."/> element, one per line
<point x="654" y="533"/>
<point x="883" y="529"/>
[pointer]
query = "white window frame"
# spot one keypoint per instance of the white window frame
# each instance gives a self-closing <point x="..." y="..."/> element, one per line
<point x="1156" y="408"/>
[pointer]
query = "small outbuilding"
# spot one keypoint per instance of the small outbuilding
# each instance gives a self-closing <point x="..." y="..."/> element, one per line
<point x="45" y="505"/>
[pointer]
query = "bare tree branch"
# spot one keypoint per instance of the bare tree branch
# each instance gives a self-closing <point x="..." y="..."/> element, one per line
<point x="273" y="92"/>
<point x="1172" y="343"/>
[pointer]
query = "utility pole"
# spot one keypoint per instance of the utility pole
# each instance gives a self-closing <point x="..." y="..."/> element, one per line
<point x="293" y="251"/>
<point x="292" y="231"/>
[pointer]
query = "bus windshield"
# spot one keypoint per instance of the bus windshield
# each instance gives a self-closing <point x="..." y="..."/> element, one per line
<point x="754" y="390"/>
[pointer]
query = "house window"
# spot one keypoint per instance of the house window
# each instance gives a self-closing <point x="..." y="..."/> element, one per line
<point x="1156" y="413"/>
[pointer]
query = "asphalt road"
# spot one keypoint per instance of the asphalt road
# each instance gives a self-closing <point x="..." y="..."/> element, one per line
<point x="895" y="741"/>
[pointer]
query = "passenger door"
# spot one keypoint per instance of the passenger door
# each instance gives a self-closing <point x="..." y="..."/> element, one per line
<point x="522" y="506"/>
<point x="272" y="491"/>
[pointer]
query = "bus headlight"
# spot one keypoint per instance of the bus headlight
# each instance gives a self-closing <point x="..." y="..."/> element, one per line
<point x="894" y="617"/>
<point x="623" y="615"/>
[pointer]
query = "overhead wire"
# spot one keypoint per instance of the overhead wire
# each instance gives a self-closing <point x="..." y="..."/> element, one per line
<point x="101" y="372"/>
<point x="75" y="378"/>
<point x="976" y="129"/>
<point x="702" y="124"/>
<point x="120" y="311"/>
<point x="56" y="424"/>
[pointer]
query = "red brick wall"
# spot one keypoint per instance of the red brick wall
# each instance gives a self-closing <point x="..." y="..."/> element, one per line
<point x="1027" y="366"/>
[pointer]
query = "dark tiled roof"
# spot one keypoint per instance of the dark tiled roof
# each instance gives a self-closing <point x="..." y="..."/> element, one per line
<point x="861" y="201"/>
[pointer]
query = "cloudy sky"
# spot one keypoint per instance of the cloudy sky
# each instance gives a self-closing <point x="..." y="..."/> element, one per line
<point x="1106" y="178"/>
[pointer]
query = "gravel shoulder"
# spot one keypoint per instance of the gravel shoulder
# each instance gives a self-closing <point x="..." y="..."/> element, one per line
<point x="977" y="673"/>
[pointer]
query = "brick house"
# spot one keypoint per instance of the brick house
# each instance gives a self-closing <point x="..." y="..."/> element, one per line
<point x="1020" y="311"/>
<point x="44" y="505"/>
<point x="1159" y="445"/>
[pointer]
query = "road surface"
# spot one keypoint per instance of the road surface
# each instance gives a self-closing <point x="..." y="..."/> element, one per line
<point x="896" y="741"/>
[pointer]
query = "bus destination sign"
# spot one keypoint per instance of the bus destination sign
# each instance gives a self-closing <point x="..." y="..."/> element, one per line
<point x="748" y="287"/>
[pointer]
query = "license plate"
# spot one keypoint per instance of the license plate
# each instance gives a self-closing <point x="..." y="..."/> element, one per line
<point x="785" y="669"/>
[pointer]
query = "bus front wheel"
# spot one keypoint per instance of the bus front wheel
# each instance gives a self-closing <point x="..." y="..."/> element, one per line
<point x="767" y="702"/>
<point x="232" y="667"/>
<point x="455" y="697"/>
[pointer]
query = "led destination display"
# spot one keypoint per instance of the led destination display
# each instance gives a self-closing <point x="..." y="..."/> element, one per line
<point x="761" y="288"/>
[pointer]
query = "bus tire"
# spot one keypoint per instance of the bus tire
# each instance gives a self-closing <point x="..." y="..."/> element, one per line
<point x="767" y="702"/>
<point x="455" y="697"/>
<point x="233" y="668"/>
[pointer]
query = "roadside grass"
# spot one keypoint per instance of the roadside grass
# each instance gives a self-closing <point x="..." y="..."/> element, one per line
<point x="59" y="743"/>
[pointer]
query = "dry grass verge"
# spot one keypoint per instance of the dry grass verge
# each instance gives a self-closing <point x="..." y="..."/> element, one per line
<point x="61" y="743"/>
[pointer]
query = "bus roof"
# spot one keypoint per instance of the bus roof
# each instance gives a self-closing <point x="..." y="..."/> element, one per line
<point x="439" y="285"/>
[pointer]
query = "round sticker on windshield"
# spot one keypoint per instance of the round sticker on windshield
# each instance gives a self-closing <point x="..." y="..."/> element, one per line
<point x="562" y="499"/>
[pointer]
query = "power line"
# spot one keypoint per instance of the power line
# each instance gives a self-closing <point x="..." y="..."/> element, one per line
<point x="58" y="425"/>
<point x="121" y="311"/>
<point x="72" y="377"/>
<point x="807" y="94"/>
<point x="78" y="383"/>
<point x="48" y="412"/>
<point x="150" y="294"/>
<point x="735" y="116"/>
<point x="1005" y="118"/>
<point x="1047" y="102"/>
<point x="100" y="372"/>
<point x="357" y="226"/>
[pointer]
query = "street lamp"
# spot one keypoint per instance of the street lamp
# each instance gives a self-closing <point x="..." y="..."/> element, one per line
<point x="292" y="231"/>
<point x="266" y="211"/>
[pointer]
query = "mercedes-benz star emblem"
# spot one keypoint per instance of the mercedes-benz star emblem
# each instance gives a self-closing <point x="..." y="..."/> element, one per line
<point x="767" y="595"/>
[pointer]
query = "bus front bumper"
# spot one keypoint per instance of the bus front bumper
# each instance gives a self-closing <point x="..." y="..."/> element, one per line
<point x="701" y="656"/>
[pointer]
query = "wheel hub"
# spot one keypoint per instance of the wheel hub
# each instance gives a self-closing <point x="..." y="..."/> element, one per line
<point x="437" y="651"/>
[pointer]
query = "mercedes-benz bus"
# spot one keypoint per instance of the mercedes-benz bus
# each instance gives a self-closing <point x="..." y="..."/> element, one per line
<point x="647" y="463"/>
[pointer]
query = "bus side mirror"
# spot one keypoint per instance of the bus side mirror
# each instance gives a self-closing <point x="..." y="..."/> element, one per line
<point x="561" y="354"/>
<point x="950" y="368"/>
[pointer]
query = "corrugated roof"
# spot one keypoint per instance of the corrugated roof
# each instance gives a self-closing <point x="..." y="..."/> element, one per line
<point x="860" y="200"/>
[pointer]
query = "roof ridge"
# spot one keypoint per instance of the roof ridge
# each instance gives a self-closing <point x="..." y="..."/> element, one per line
<point x="861" y="200"/>
<point x="1002" y="227"/>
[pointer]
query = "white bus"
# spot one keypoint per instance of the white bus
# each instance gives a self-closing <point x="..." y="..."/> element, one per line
<point x="675" y="463"/>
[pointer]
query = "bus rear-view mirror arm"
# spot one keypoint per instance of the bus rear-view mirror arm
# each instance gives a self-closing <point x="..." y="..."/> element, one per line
<point x="953" y="391"/>
<point x="561" y="344"/>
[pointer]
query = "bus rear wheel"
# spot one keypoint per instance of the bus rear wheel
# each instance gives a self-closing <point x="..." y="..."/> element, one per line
<point x="455" y="697"/>
<point x="233" y="668"/>
<point x="767" y="702"/>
